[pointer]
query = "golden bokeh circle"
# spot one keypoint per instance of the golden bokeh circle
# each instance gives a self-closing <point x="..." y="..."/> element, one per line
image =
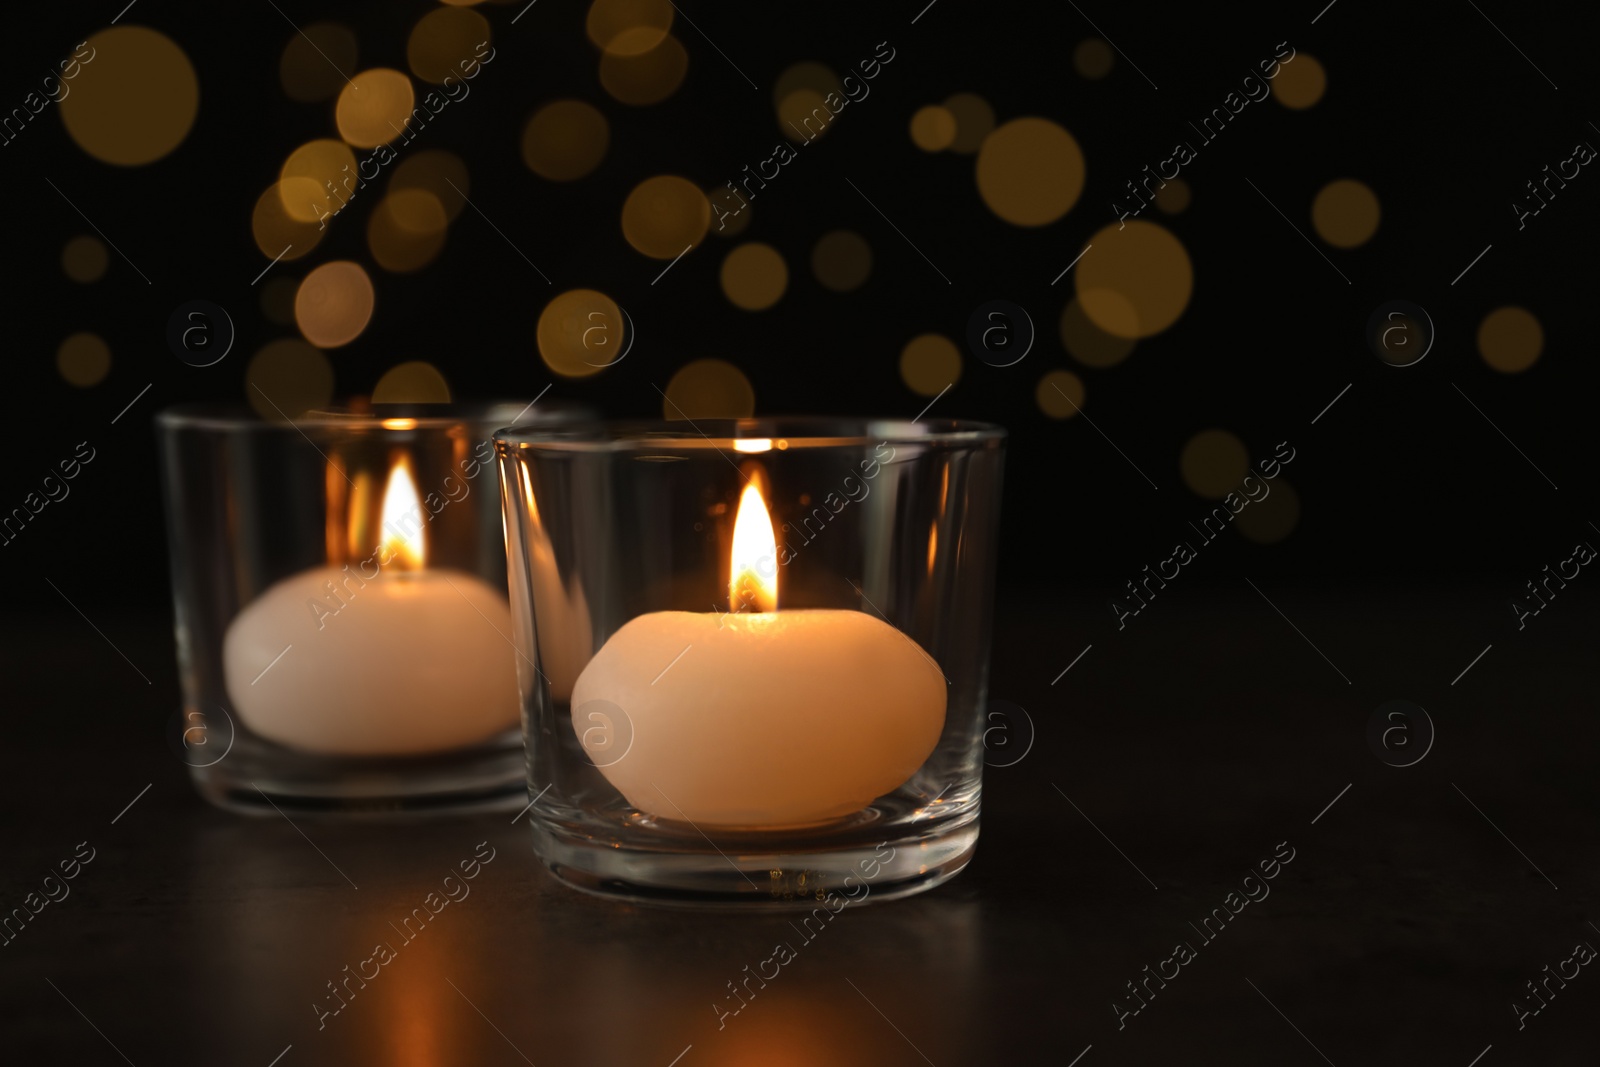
<point x="334" y="303"/>
<point x="442" y="40"/>
<point x="754" y="276"/>
<point x="628" y="27"/>
<point x="1213" y="463"/>
<point x="321" y="163"/>
<point x="842" y="260"/>
<point x="647" y="77"/>
<point x="1088" y="343"/>
<point x="439" y="172"/>
<point x="407" y="230"/>
<point x="278" y="235"/>
<point x="84" y="359"/>
<point x="1345" y="213"/>
<point x="316" y="61"/>
<point x="287" y="378"/>
<point x="1272" y="518"/>
<point x="1173" y="197"/>
<point x="930" y="363"/>
<point x="1510" y="339"/>
<point x="565" y="140"/>
<point x="136" y="101"/>
<point x="933" y="128"/>
<point x="1059" y="394"/>
<point x="277" y="299"/>
<point x="1092" y="58"/>
<point x="374" y="108"/>
<point x="804" y="115"/>
<point x="799" y="96"/>
<point x="1300" y="82"/>
<point x="580" y="333"/>
<point x="974" y="119"/>
<point x="1030" y="171"/>
<point x="709" y="389"/>
<point x="413" y="382"/>
<point x="85" y="259"/>
<point x="1136" y="280"/>
<point x="665" y="216"/>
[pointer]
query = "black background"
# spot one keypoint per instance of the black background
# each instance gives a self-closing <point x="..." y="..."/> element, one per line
<point x="1431" y="107"/>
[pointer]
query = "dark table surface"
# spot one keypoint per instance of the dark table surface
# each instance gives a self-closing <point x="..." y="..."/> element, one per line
<point x="1171" y="759"/>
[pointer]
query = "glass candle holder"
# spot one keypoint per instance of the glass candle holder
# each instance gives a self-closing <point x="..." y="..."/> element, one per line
<point x="754" y="654"/>
<point x="344" y="637"/>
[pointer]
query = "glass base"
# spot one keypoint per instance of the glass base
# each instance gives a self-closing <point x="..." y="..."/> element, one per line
<point x="791" y="871"/>
<point x="272" y="782"/>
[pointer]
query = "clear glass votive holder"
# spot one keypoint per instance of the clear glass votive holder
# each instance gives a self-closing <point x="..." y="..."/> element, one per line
<point x="343" y="632"/>
<point x="754" y="653"/>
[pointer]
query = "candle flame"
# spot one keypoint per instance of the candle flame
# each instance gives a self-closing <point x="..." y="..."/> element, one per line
<point x="753" y="569"/>
<point x="402" y="521"/>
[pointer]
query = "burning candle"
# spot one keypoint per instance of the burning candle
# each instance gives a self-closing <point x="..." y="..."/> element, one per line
<point x="381" y="658"/>
<point x="761" y="718"/>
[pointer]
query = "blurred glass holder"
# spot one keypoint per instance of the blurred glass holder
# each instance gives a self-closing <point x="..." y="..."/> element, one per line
<point x="754" y="653"/>
<point x="344" y="639"/>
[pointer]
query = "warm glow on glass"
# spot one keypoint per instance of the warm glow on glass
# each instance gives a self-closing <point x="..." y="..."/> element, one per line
<point x="753" y="444"/>
<point x="399" y="424"/>
<point x="753" y="563"/>
<point x="402" y="522"/>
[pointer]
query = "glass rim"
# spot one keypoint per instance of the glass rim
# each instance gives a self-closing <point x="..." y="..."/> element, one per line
<point x="777" y="432"/>
<point x="237" y="417"/>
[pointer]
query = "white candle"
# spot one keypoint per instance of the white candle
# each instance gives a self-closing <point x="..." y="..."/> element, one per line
<point x="371" y="660"/>
<point x="760" y="719"/>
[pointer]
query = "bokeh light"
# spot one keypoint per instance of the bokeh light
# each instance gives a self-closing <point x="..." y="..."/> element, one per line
<point x="1059" y="394"/>
<point x="439" y="172"/>
<point x="640" y="79"/>
<point x="1136" y="280"/>
<point x="565" y="140"/>
<point x="1300" y="82"/>
<point x="797" y="96"/>
<point x="1213" y="463"/>
<point x="933" y="128"/>
<point x="406" y="230"/>
<point x="1088" y="343"/>
<point x="581" y="332"/>
<point x="1092" y="58"/>
<point x="1030" y="171"/>
<point x="974" y="119"/>
<point x="1510" y="339"/>
<point x="709" y="389"/>
<point x="1271" y="519"/>
<point x="136" y="101"/>
<point x="1345" y="213"/>
<point x="414" y="382"/>
<point x="628" y="27"/>
<point x="316" y="62"/>
<point x="373" y="109"/>
<point x="287" y="378"/>
<point x="1173" y="197"/>
<point x="754" y="276"/>
<point x="276" y="233"/>
<point x="842" y="260"/>
<point x="304" y="182"/>
<point x="85" y="259"/>
<point x="665" y="215"/>
<point x="442" y="40"/>
<point x="83" y="359"/>
<point x="930" y="363"/>
<point x="334" y="303"/>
